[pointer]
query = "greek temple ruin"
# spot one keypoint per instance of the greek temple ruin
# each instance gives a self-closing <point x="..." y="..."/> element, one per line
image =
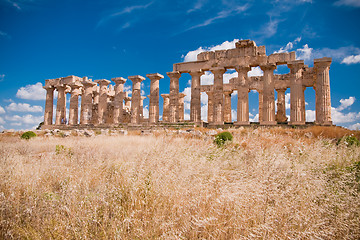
<point x="103" y="104"/>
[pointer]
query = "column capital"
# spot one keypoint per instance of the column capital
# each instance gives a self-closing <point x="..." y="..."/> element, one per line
<point x="154" y="76"/>
<point x="165" y="95"/>
<point x="209" y="93"/>
<point x="295" y="65"/>
<point x="182" y="95"/>
<point x="228" y="92"/>
<point x="88" y="83"/>
<point x="281" y="89"/>
<point x="175" y="74"/>
<point x="118" y="80"/>
<point x="195" y="73"/>
<point x="127" y="98"/>
<point x="218" y="70"/>
<point x="322" y="62"/>
<point x="242" y="68"/>
<point x="102" y="82"/>
<point x="136" y="78"/>
<point x="269" y="66"/>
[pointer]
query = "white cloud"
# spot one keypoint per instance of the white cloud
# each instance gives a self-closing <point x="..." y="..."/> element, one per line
<point x="2" y="110"/>
<point x="192" y="55"/>
<point x="339" y="117"/>
<point x="221" y="15"/>
<point x="198" y="5"/>
<point x="255" y="71"/>
<point x="233" y="115"/>
<point x="255" y="118"/>
<point x="287" y="101"/>
<point x="2" y="120"/>
<point x="350" y="3"/>
<point x="355" y="126"/>
<point x="32" y="92"/>
<point x="304" y="53"/>
<point x="23" y="107"/>
<point x="27" y="119"/>
<point x="345" y="103"/>
<point x="289" y="46"/>
<point x="146" y="112"/>
<point x="351" y="59"/>
<point x="207" y="78"/>
<point x="2" y="77"/>
<point x="310" y="115"/>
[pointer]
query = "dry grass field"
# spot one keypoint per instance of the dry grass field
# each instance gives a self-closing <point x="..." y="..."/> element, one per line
<point x="266" y="184"/>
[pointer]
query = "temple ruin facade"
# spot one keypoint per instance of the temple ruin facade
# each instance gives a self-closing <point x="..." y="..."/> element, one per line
<point x="104" y="104"/>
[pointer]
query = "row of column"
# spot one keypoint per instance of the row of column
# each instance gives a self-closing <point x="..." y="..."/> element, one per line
<point x="219" y="102"/>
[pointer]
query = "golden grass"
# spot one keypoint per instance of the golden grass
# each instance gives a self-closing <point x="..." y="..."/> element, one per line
<point x="267" y="184"/>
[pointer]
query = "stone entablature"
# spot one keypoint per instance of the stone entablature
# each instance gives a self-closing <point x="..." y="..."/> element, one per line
<point x="104" y="104"/>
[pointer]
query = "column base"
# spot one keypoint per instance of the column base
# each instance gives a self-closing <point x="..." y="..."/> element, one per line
<point x="268" y="123"/>
<point x="216" y="123"/>
<point x="242" y="123"/>
<point x="296" y="123"/>
<point x="327" y="123"/>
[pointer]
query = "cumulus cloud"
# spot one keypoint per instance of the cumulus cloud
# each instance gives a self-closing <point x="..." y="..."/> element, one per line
<point x="345" y="103"/>
<point x="355" y="126"/>
<point x="192" y="55"/>
<point x="27" y="119"/>
<point x="255" y="71"/>
<point x="289" y="46"/>
<point x="32" y="92"/>
<point x="23" y="107"/>
<point x="351" y="59"/>
<point x="304" y="53"/>
<point x="2" y="120"/>
<point x="2" y="110"/>
<point x="350" y="3"/>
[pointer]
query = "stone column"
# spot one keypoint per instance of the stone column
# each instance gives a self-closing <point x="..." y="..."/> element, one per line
<point x="242" y="87"/>
<point x="174" y="96"/>
<point x="102" y="105"/>
<point x="166" y="110"/>
<point x="281" y="110"/>
<point x="48" y="115"/>
<point x="195" y="103"/>
<point x="87" y="101"/>
<point x="296" y="93"/>
<point x="142" y="107"/>
<point x="210" y="117"/>
<point x="227" y="106"/>
<point x="218" y="98"/>
<point x="260" y="106"/>
<point x="268" y="95"/>
<point x="61" y="105"/>
<point x="118" y="100"/>
<point x="154" y="97"/>
<point x="74" y="103"/>
<point x="127" y="102"/>
<point x="322" y="88"/>
<point x="136" y="99"/>
<point x="181" y="107"/>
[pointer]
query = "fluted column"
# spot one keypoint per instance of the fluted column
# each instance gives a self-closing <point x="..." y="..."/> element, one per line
<point x="195" y="103"/>
<point x="296" y="93"/>
<point x="174" y="96"/>
<point x="166" y="104"/>
<point x="210" y="115"/>
<point x="142" y="107"/>
<point x="260" y="106"/>
<point x="227" y="106"/>
<point x="118" y="99"/>
<point x="181" y="106"/>
<point x="242" y="87"/>
<point x="322" y="88"/>
<point x="74" y="103"/>
<point x="281" y="110"/>
<point x="103" y="97"/>
<point x="268" y="95"/>
<point x="61" y="105"/>
<point x="87" y="101"/>
<point x="48" y="115"/>
<point x="136" y="99"/>
<point x="218" y="99"/>
<point x="154" y="97"/>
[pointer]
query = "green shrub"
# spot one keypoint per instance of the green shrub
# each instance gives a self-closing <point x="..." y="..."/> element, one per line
<point x="349" y="141"/>
<point x="28" y="135"/>
<point x="222" y="138"/>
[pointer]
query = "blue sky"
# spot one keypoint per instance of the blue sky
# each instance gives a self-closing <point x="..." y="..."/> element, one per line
<point x="43" y="39"/>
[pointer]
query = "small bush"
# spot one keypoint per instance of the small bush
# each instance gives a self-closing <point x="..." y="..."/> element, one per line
<point x="222" y="138"/>
<point x="27" y="135"/>
<point x="349" y="141"/>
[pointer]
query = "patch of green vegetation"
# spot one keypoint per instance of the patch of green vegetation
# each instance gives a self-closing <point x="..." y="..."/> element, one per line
<point x="222" y="138"/>
<point x="27" y="135"/>
<point x="349" y="141"/>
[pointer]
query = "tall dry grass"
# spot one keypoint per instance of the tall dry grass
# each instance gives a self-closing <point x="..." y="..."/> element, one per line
<point x="266" y="185"/>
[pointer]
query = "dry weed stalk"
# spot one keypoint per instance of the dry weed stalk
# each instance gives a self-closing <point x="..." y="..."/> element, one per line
<point x="266" y="184"/>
